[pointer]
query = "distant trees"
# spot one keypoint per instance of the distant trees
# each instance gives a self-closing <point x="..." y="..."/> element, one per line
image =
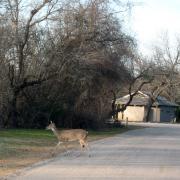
<point x="166" y="73"/>
<point x="157" y="75"/>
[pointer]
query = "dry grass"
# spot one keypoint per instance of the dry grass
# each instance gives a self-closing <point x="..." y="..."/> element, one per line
<point x="21" y="148"/>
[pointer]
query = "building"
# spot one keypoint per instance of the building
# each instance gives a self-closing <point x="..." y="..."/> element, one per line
<point x="162" y="110"/>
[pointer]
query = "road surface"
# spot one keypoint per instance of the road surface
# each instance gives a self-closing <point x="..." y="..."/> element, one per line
<point x="149" y="153"/>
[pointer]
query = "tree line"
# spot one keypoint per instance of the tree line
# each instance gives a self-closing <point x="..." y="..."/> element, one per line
<point x="67" y="60"/>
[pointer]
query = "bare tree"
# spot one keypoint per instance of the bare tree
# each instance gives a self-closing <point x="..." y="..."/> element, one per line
<point x="79" y="47"/>
<point x="166" y="60"/>
<point x="135" y="84"/>
<point x="18" y="55"/>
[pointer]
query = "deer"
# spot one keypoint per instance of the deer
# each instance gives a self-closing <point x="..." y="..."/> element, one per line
<point x="70" y="135"/>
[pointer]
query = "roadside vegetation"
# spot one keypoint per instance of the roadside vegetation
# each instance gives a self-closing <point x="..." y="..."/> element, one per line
<point x="20" y="148"/>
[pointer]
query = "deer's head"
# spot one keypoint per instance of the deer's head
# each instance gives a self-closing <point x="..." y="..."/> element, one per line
<point x="51" y="126"/>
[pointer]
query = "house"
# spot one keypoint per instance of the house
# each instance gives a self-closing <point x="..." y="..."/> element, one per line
<point x="162" y="110"/>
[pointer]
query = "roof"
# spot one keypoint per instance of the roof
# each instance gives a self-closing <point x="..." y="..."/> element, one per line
<point x="141" y="99"/>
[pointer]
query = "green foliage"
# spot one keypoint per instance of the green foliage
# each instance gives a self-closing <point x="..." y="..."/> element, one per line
<point x="26" y="133"/>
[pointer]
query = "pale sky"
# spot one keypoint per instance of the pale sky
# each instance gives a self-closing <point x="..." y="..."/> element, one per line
<point x="150" y="18"/>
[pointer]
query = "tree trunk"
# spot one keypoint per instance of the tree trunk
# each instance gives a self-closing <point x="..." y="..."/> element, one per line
<point x="13" y="114"/>
<point x="147" y="110"/>
<point x="113" y="106"/>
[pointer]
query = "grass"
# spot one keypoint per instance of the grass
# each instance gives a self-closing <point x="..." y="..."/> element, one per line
<point x="21" y="147"/>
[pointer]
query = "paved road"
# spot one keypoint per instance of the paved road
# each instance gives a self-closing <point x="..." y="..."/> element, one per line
<point x="150" y="153"/>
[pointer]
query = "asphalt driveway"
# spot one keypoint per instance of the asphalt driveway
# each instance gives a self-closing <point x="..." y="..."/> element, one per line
<point x="150" y="153"/>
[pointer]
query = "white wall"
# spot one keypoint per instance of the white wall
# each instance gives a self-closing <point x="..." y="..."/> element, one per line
<point x="133" y="113"/>
<point x="136" y="113"/>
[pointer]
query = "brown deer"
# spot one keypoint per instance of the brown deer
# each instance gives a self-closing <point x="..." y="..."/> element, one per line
<point x="64" y="136"/>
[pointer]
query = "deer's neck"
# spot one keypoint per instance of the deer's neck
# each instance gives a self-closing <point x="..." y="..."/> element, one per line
<point x="55" y="132"/>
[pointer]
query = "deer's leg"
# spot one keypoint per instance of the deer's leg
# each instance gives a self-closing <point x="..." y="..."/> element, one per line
<point x="81" y="144"/>
<point x="58" y="143"/>
<point x="65" y="146"/>
<point x="56" y="147"/>
<point x="86" y="146"/>
<point x="67" y="153"/>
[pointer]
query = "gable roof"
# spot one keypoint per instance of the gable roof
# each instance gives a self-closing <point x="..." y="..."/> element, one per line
<point x="141" y="99"/>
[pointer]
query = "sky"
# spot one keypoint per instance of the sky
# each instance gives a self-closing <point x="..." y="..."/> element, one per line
<point x="150" y="19"/>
